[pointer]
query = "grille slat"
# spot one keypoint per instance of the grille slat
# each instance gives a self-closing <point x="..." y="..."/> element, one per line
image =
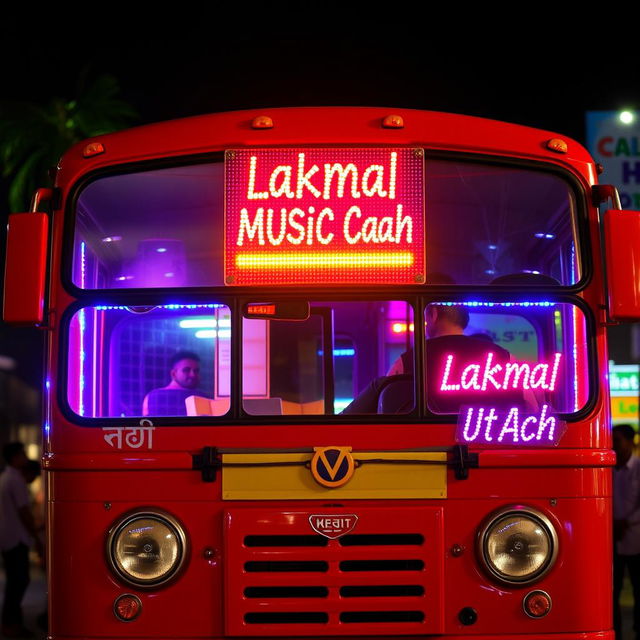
<point x="284" y="566"/>
<point x="381" y="616"/>
<point x="381" y="539"/>
<point x="382" y="591"/>
<point x="285" y="541"/>
<point x="289" y="617"/>
<point x="266" y="593"/>
<point x="382" y="565"/>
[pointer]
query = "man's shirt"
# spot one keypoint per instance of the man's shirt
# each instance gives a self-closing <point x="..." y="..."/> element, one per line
<point x="626" y="505"/>
<point x="14" y="495"/>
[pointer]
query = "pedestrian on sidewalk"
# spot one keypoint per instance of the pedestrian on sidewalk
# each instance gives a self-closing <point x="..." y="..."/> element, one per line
<point x="17" y="535"/>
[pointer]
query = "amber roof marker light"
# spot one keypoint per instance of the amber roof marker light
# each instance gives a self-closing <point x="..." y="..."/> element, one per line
<point x="262" y="122"/>
<point x="393" y="122"/>
<point x="93" y="149"/>
<point x="558" y="145"/>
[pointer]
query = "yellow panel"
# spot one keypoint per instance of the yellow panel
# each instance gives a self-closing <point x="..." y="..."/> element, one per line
<point x="624" y="409"/>
<point x="374" y="480"/>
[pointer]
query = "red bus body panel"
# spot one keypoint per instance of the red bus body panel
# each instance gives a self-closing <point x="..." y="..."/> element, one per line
<point x="91" y="485"/>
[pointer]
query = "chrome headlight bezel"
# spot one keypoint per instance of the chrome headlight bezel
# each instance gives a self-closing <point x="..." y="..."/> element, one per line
<point x="501" y="515"/>
<point x="147" y="514"/>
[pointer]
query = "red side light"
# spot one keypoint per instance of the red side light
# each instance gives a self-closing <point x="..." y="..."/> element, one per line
<point x="537" y="604"/>
<point x="262" y="122"/>
<point x="93" y="149"/>
<point x="127" y="607"/>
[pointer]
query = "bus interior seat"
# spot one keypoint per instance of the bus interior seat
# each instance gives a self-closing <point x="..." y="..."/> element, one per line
<point x="263" y="406"/>
<point x="396" y="395"/>
<point x="200" y="406"/>
<point x="315" y="407"/>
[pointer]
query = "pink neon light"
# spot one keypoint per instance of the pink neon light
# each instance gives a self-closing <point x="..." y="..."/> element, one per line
<point x="332" y="215"/>
<point x="487" y="376"/>
<point x="513" y="426"/>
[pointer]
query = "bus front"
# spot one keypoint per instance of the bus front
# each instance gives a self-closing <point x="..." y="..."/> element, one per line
<point x="325" y="372"/>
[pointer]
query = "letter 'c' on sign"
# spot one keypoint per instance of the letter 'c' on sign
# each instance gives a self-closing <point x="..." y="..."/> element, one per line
<point x="332" y="467"/>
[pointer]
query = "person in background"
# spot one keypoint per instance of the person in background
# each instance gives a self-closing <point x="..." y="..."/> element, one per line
<point x="17" y="534"/>
<point x="185" y="380"/>
<point x="626" y="523"/>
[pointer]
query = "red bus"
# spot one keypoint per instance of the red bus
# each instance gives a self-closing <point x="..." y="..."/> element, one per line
<point x="326" y="371"/>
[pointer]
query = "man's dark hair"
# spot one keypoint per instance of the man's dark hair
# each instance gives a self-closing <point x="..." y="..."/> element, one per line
<point x="183" y="355"/>
<point x="458" y="315"/>
<point x="11" y="450"/>
<point x="626" y="431"/>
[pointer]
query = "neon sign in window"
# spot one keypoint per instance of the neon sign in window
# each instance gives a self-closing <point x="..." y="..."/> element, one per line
<point x="311" y="216"/>
<point x="495" y="357"/>
<point x="511" y="425"/>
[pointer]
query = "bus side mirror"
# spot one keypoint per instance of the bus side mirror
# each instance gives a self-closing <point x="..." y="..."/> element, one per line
<point x="622" y="256"/>
<point x="25" y="268"/>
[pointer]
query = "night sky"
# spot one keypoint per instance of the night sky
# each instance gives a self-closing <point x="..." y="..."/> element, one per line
<point x="532" y="70"/>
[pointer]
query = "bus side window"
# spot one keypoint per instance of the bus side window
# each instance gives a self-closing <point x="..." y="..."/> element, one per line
<point x="128" y="361"/>
<point x="532" y="354"/>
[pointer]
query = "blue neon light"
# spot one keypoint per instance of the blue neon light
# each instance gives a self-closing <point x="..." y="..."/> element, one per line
<point x="339" y="353"/>
<point x="495" y="304"/>
<point x="172" y="307"/>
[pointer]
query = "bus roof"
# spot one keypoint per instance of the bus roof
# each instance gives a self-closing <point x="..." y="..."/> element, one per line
<point x="306" y="126"/>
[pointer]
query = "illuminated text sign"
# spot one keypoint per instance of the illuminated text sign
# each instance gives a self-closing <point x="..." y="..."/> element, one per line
<point x="528" y="421"/>
<point x="324" y="216"/>
<point x="512" y="425"/>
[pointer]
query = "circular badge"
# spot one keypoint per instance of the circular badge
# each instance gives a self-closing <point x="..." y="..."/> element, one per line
<point x="332" y="466"/>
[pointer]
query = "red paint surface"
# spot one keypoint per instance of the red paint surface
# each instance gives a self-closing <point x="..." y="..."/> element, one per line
<point x="25" y="268"/>
<point x="570" y="484"/>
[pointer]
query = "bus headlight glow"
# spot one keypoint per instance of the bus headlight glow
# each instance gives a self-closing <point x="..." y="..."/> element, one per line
<point x="147" y="548"/>
<point x="518" y="545"/>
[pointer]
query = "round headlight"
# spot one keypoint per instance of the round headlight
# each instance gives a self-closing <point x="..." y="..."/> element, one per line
<point x="146" y="548"/>
<point x="518" y="545"/>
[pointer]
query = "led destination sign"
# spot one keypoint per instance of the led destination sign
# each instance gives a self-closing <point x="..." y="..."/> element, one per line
<point x="531" y="422"/>
<point x="324" y="216"/>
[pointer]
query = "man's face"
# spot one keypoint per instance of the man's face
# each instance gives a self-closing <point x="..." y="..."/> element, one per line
<point x="186" y="373"/>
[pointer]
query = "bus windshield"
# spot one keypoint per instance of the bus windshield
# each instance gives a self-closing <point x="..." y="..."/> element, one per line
<point x="346" y="358"/>
<point x="483" y="222"/>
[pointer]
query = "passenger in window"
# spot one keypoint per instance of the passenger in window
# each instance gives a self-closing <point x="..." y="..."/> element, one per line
<point x="445" y="327"/>
<point x="185" y="380"/>
<point x="445" y="338"/>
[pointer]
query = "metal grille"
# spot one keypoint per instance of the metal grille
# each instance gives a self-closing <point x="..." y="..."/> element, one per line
<point x="382" y="578"/>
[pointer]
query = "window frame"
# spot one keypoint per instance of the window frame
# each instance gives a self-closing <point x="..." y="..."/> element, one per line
<point x="236" y="416"/>
<point x="579" y="221"/>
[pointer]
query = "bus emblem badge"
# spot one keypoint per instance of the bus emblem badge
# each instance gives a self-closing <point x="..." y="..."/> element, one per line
<point x="332" y="466"/>
<point x="333" y="525"/>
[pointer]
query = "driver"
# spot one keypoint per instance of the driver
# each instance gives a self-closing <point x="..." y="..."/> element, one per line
<point x="185" y="380"/>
